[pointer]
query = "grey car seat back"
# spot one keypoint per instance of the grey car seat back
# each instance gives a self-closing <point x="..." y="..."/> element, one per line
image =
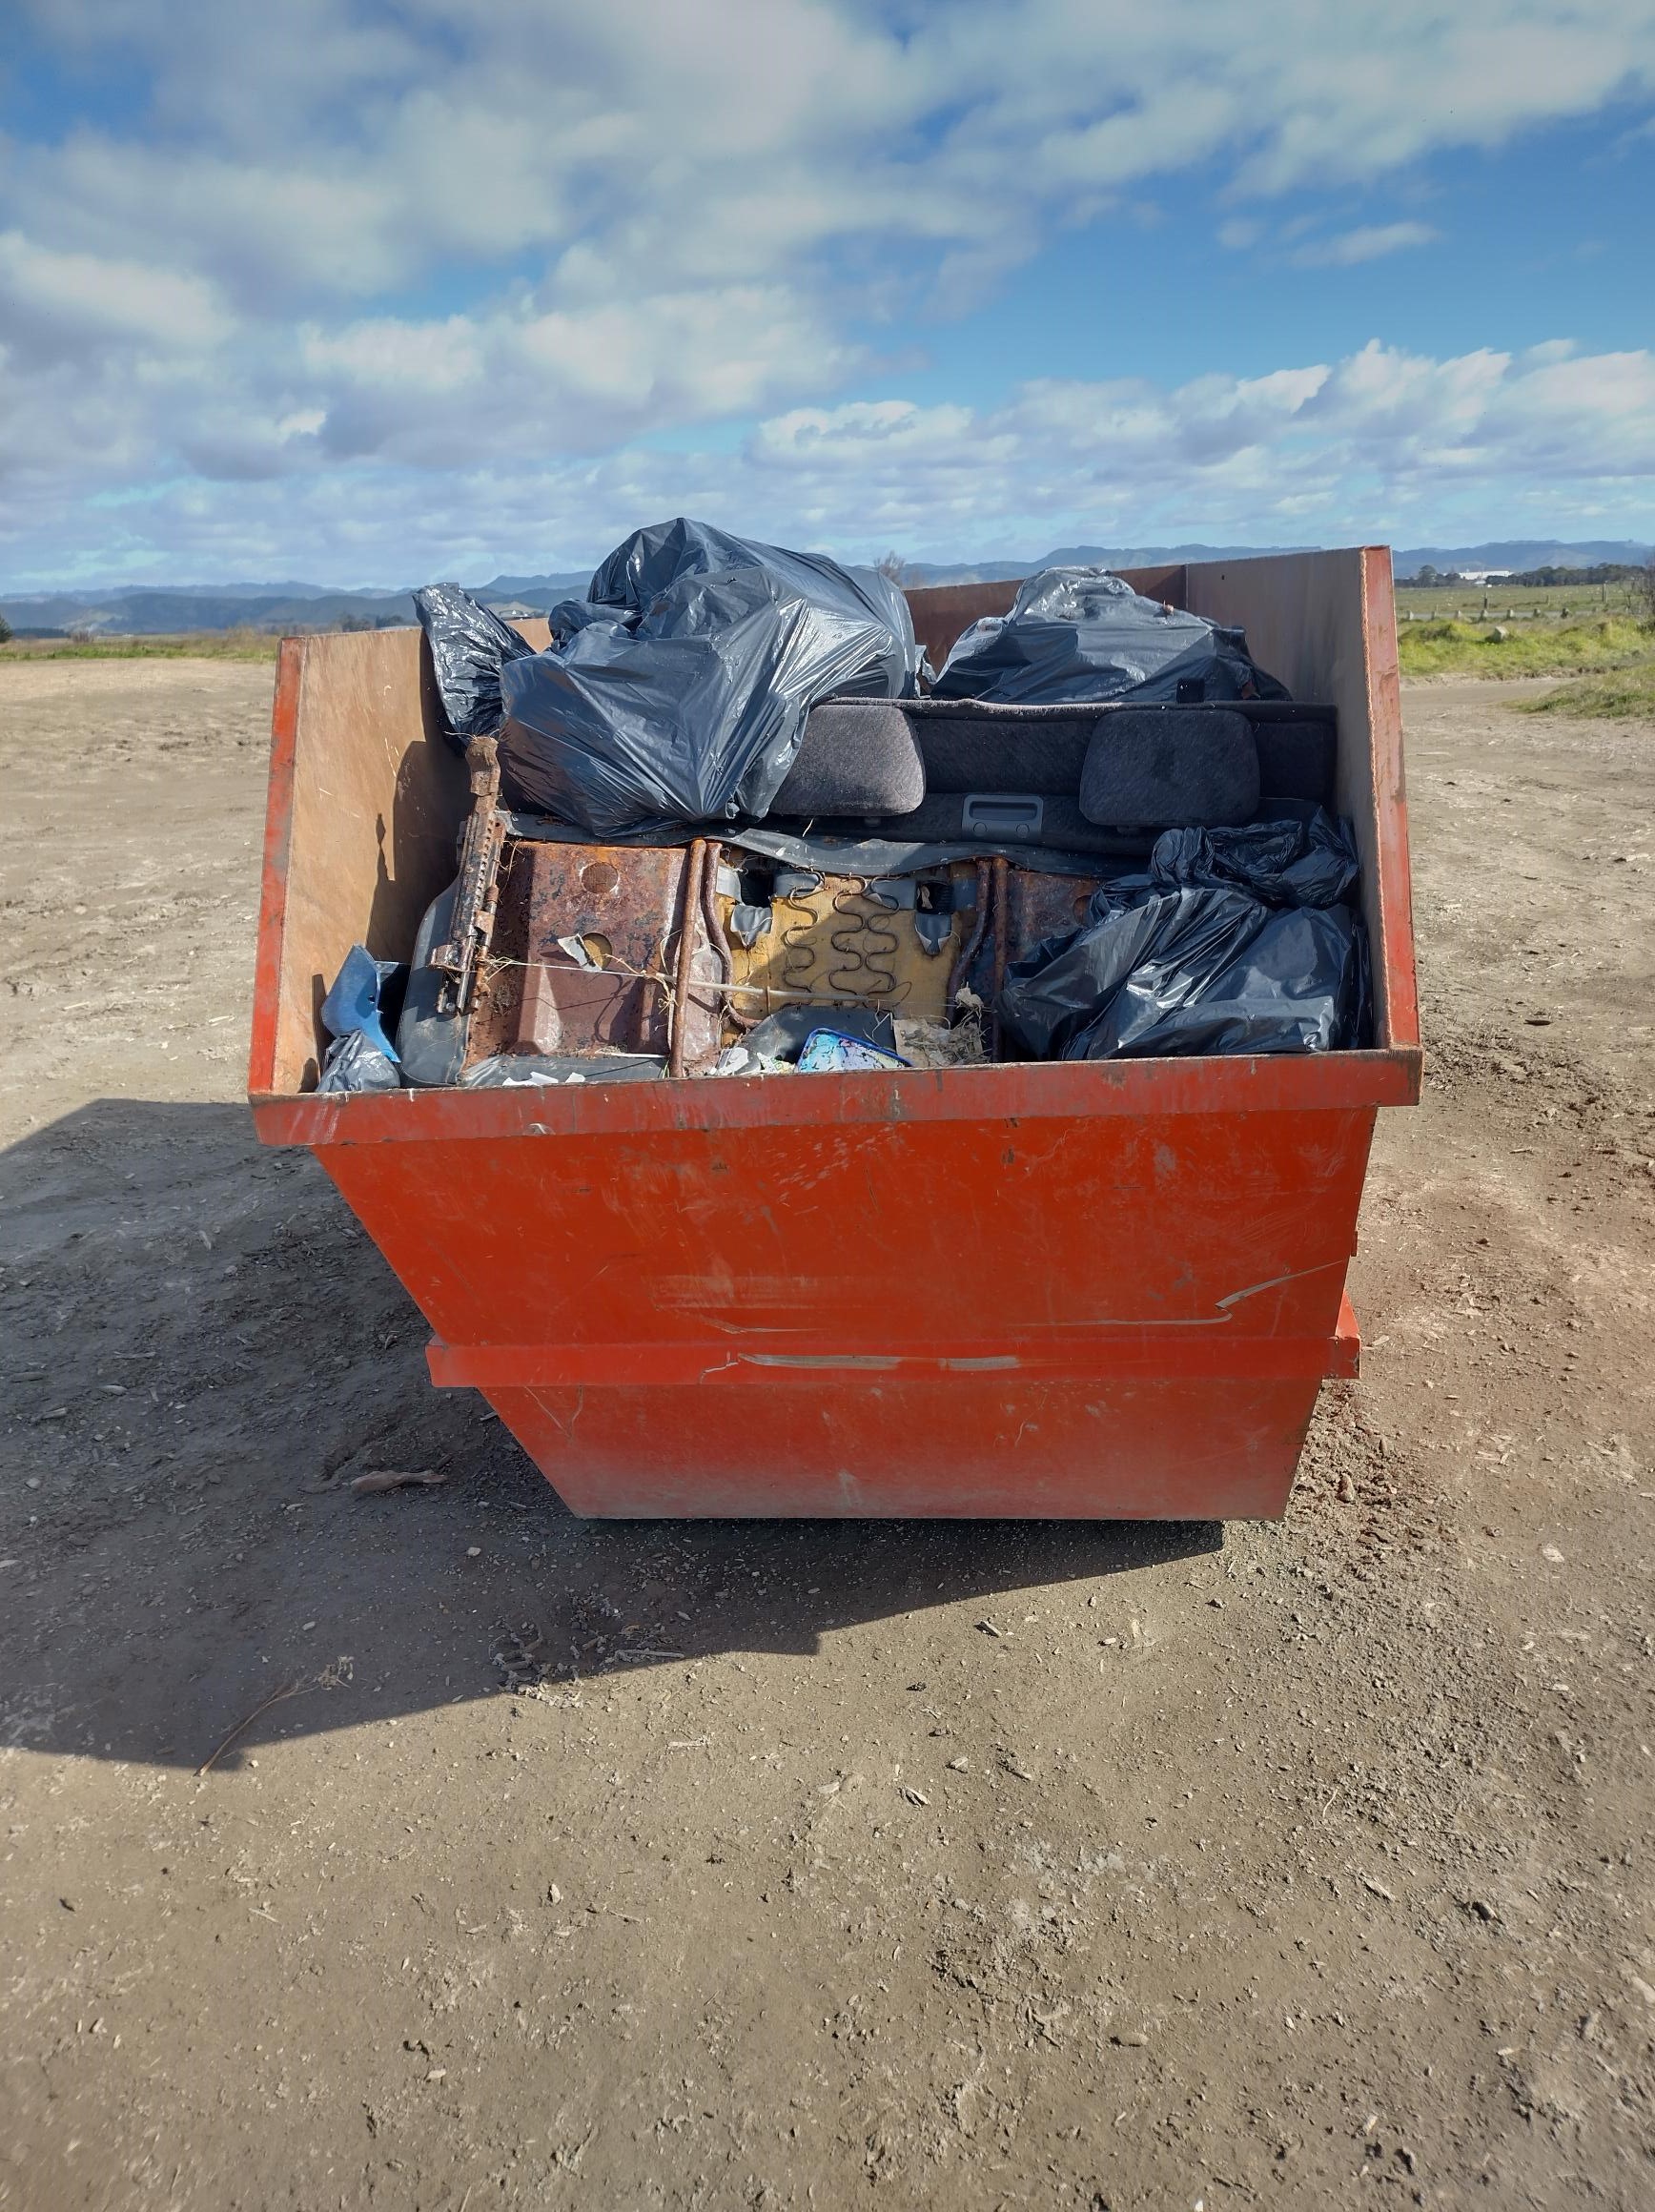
<point x="1014" y="819"/>
<point x="1003" y="749"/>
<point x="1074" y="778"/>
<point x="1192" y="766"/>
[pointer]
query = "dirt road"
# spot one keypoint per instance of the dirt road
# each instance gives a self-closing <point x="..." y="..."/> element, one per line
<point x="984" y="1866"/>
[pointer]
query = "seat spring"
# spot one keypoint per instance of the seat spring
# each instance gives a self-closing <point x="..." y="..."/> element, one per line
<point x="798" y="948"/>
<point x="863" y="942"/>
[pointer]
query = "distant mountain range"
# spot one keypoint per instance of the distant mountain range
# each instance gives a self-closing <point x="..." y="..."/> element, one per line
<point x="277" y="607"/>
<point x="123" y="611"/>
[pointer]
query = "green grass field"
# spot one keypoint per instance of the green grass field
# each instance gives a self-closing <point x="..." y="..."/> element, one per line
<point x="1576" y="649"/>
<point x="1623" y="695"/>
<point x="240" y="645"/>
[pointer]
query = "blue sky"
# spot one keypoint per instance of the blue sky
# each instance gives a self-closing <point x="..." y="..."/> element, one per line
<point x="365" y="292"/>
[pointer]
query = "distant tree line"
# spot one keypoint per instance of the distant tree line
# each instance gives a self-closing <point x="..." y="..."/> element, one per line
<point x="1529" y="579"/>
<point x="1605" y="572"/>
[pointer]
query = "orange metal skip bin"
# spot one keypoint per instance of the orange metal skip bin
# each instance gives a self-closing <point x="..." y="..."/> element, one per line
<point x="1072" y="1290"/>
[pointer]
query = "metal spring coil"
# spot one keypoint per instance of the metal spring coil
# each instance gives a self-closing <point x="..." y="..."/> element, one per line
<point x="863" y="941"/>
<point x="798" y="952"/>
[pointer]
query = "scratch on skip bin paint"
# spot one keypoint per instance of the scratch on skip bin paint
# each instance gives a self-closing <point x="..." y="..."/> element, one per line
<point x="877" y="1362"/>
<point x="1218" y="1318"/>
<point x="698" y="1292"/>
<point x="982" y="1366"/>
<point x="742" y="1327"/>
<point x="1274" y="1282"/>
<point x="565" y="1430"/>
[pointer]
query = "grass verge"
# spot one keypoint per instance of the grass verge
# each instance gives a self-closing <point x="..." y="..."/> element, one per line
<point x="1621" y="695"/>
<point x="1456" y="649"/>
<point x="240" y="645"/>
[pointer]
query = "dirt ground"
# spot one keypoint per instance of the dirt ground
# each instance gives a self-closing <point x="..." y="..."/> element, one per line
<point x="1305" y="1865"/>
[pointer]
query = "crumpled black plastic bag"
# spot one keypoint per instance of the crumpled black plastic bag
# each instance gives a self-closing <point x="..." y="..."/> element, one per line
<point x="1307" y="861"/>
<point x="469" y="646"/>
<point x="678" y="690"/>
<point x="353" y="1064"/>
<point x="1085" y="634"/>
<point x="1190" y="972"/>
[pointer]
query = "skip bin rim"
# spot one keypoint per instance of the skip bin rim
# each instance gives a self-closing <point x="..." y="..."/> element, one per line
<point x="1030" y="1090"/>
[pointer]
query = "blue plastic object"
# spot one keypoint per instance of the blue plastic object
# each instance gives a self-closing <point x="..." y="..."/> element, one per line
<point x="351" y="1006"/>
<point x="829" y="1052"/>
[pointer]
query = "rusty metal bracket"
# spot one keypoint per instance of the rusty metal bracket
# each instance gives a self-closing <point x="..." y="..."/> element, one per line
<point x="1001" y="920"/>
<point x="691" y="914"/>
<point x="967" y="953"/>
<point x="475" y="898"/>
<point x="710" y="875"/>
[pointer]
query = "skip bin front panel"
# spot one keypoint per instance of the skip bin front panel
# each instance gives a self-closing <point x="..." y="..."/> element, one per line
<point x="1137" y="1300"/>
<point x="926" y="1234"/>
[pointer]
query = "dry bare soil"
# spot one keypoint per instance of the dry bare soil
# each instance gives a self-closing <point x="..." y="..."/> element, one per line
<point x="803" y="1864"/>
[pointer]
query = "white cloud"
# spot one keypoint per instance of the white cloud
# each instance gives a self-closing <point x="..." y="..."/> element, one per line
<point x="502" y="241"/>
<point x="1383" y="444"/>
<point x="436" y="357"/>
<point x="844" y="437"/>
<point x="54" y="302"/>
<point x="1369" y="242"/>
<point x="323" y="146"/>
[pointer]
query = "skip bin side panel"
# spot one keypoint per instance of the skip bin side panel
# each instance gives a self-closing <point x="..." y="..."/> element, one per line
<point x="1325" y="624"/>
<point x="971" y="1449"/>
<point x="262" y="1054"/>
<point x="366" y="799"/>
<point x="1393" y="893"/>
<point x="378" y="794"/>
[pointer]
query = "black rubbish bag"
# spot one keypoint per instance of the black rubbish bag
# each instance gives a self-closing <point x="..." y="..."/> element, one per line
<point x="353" y="1064"/>
<point x="1308" y="860"/>
<point x="1084" y="634"/>
<point x="1190" y="972"/>
<point x="678" y="690"/>
<point x="469" y="646"/>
